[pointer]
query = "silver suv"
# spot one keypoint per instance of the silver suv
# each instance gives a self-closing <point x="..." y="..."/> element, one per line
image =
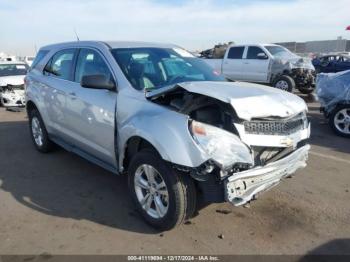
<point x="167" y="120"/>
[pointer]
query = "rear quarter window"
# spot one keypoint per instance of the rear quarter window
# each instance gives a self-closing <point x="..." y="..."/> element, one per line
<point x="41" y="54"/>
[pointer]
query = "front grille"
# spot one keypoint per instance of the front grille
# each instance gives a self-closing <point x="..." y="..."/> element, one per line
<point x="11" y="87"/>
<point x="20" y="87"/>
<point x="274" y="127"/>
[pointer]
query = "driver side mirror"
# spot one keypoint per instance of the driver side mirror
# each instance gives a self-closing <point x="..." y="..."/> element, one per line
<point x="97" y="82"/>
<point x="262" y="56"/>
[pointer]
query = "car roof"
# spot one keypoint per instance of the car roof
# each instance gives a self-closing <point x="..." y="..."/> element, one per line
<point x="110" y="44"/>
<point x="12" y="63"/>
<point x="128" y="44"/>
<point x="340" y="55"/>
<point x="253" y="44"/>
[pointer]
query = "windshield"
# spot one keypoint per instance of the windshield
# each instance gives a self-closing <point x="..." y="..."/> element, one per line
<point x="13" y="69"/>
<point x="346" y="58"/>
<point x="281" y="52"/>
<point x="153" y="68"/>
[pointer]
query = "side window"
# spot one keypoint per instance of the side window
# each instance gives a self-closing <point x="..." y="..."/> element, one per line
<point x="253" y="52"/>
<point x="90" y="62"/>
<point x="60" y="65"/>
<point x="40" y="55"/>
<point x="236" y="52"/>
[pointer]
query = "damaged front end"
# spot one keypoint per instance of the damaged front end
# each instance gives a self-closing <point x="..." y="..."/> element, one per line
<point x="12" y="96"/>
<point x="300" y="69"/>
<point x="248" y="147"/>
<point x="245" y="186"/>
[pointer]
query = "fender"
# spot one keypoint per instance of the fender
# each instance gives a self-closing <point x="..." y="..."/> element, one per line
<point x="168" y="133"/>
<point x="33" y="95"/>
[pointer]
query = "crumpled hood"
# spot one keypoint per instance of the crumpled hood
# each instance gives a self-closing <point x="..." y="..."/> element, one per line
<point x="296" y="62"/>
<point x="12" y="80"/>
<point x="248" y="100"/>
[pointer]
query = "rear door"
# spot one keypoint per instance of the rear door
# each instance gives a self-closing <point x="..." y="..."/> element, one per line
<point x="232" y="67"/>
<point x="92" y="111"/>
<point x="256" y="65"/>
<point x="343" y="64"/>
<point x="56" y="86"/>
<point x="330" y="64"/>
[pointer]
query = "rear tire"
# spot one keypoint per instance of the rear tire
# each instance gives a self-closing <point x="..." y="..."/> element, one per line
<point x="39" y="133"/>
<point x="285" y="83"/>
<point x="339" y="120"/>
<point x="176" y="197"/>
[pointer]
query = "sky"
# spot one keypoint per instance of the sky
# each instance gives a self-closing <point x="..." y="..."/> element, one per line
<point x="193" y="24"/>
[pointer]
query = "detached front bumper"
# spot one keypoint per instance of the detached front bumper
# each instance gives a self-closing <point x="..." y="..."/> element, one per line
<point x="13" y="100"/>
<point x="244" y="186"/>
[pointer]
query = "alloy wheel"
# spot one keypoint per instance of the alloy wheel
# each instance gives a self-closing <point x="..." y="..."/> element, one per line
<point x="282" y="84"/>
<point x="37" y="131"/>
<point x="151" y="191"/>
<point x="342" y="121"/>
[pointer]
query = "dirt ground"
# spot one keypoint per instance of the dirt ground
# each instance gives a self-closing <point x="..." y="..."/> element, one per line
<point x="59" y="203"/>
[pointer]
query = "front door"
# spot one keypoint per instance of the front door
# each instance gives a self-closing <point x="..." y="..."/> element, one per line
<point x="56" y="86"/>
<point x="256" y="65"/>
<point x="92" y="111"/>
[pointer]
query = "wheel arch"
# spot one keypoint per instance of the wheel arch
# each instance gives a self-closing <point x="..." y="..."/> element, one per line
<point x="134" y="145"/>
<point x="30" y="105"/>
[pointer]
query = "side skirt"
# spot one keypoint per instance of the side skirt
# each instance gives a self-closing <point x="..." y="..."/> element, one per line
<point x="84" y="155"/>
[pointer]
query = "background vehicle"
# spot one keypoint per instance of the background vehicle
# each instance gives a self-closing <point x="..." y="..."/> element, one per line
<point x="333" y="91"/>
<point x="162" y="116"/>
<point x="331" y="63"/>
<point x="12" y="83"/>
<point x="28" y="60"/>
<point x="268" y="64"/>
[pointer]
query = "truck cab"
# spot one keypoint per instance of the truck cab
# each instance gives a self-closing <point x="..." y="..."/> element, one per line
<point x="247" y="63"/>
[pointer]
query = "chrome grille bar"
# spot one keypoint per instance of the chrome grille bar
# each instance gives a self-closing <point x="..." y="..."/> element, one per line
<point x="274" y="127"/>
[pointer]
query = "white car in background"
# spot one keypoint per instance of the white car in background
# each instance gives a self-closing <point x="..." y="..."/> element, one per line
<point x="12" y="83"/>
<point x="29" y="60"/>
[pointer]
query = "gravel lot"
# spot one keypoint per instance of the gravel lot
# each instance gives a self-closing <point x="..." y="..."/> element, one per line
<point x="59" y="203"/>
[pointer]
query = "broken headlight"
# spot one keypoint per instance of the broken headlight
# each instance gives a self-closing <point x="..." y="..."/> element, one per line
<point x="305" y="120"/>
<point x="223" y="147"/>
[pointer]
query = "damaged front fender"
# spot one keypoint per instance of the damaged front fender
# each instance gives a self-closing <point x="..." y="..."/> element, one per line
<point x="224" y="148"/>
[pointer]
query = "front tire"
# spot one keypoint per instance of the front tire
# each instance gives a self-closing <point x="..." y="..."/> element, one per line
<point x="285" y="83"/>
<point x="39" y="133"/>
<point x="339" y="120"/>
<point x="164" y="197"/>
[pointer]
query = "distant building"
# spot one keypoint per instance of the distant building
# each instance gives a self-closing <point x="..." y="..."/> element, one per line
<point x="318" y="47"/>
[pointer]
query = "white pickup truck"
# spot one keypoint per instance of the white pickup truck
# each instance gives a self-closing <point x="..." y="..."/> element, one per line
<point x="268" y="64"/>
